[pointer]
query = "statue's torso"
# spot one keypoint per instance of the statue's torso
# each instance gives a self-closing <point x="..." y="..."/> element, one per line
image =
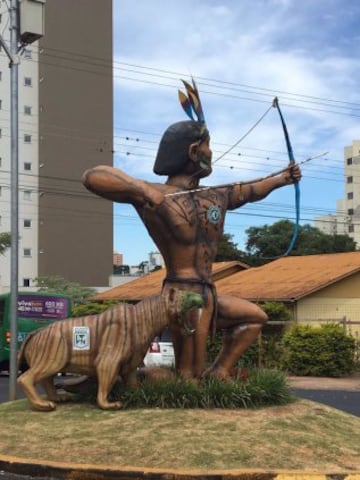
<point x="186" y="228"/>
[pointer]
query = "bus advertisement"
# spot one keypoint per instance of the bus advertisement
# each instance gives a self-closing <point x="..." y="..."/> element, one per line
<point x="35" y="310"/>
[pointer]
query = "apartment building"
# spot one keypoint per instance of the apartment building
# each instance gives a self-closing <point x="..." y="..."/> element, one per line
<point x="65" y="127"/>
<point x="347" y="217"/>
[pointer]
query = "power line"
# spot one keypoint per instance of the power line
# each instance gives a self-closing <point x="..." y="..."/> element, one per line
<point x="219" y="84"/>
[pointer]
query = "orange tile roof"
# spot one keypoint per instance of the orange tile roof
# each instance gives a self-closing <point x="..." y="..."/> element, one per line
<point x="151" y="283"/>
<point x="290" y="278"/>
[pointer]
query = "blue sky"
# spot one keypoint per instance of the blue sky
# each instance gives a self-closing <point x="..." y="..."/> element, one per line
<point x="242" y="54"/>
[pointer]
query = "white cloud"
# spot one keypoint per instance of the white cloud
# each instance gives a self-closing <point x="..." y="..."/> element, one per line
<point x="303" y="52"/>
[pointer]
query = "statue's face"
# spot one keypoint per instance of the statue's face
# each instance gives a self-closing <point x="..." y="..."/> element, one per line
<point x="203" y="159"/>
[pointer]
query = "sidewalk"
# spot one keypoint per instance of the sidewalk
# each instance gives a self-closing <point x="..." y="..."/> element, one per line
<point x="350" y="383"/>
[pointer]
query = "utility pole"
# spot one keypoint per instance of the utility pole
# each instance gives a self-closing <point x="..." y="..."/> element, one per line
<point x="31" y="16"/>
<point x="14" y="132"/>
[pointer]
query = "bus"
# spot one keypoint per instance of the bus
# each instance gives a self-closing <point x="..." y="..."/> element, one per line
<point x="35" y="310"/>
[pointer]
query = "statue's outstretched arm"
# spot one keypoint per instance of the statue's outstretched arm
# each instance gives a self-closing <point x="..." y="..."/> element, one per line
<point x="114" y="184"/>
<point x="257" y="190"/>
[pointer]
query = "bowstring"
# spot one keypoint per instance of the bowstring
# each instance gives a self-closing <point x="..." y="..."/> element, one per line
<point x="238" y="141"/>
<point x="244" y="136"/>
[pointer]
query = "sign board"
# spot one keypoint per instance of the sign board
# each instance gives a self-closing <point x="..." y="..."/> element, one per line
<point x="40" y="306"/>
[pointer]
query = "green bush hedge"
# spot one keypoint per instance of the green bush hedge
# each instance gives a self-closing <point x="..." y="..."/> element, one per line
<point x="325" y="350"/>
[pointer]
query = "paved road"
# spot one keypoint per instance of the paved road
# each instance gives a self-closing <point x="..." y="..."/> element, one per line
<point x="342" y="400"/>
<point x="4" y="390"/>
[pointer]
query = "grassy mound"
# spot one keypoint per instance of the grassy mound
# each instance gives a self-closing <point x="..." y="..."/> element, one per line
<point x="302" y="435"/>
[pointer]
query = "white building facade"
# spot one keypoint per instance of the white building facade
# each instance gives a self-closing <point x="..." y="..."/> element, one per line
<point x="28" y="162"/>
<point x="347" y="217"/>
<point x="63" y="229"/>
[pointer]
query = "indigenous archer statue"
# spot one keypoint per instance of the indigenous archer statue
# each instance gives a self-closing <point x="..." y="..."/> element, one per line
<point x="186" y="223"/>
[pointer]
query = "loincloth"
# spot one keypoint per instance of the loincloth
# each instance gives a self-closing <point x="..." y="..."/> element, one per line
<point x="204" y="288"/>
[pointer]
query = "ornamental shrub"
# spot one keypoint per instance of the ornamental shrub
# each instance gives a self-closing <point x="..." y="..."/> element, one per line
<point x="91" y="308"/>
<point x="261" y="388"/>
<point x="325" y="350"/>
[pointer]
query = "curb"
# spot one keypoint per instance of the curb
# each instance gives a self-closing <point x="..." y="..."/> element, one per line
<point x="67" y="471"/>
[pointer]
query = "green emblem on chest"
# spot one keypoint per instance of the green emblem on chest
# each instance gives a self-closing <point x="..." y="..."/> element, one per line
<point x="214" y="214"/>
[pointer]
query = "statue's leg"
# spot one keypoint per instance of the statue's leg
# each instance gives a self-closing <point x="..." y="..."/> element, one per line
<point x="190" y="350"/>
<point x="51" y="392"/>
<point x="27" y="381"/>
<point x="107" y="369"/>
<point x="183" y="351"/>
<point x="242" y="322"/>
<point x="201" y="335"/>
<point x="43" y="366"/>
<point x="131" y="379"/>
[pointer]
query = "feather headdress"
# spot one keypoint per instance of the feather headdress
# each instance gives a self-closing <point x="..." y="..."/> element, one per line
<point x="191" y="102"/>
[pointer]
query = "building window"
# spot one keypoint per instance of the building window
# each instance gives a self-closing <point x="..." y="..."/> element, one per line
<point x="27" y="81"/>
<point x="27" y="194"/>
<point x="0" y="76"/>
<point x="27" y="166"/>
<point x="27" y="110"/>
<point x="349" y="161"/>
<point x="27" y="138"/>
<point x="27" y="252"/>
<point x="26" y="282"/>
<point x="0" y="162"/>
<point x="0" y="191"/>
<point x="27" y="223"/>
<point x="27" y="53"/>
<point x="350" y="195"/>
<point x="0" y="104"/>
<point x="351" y="228"/>
<point x="349" y="180"/>
<point x="350" y="211"/>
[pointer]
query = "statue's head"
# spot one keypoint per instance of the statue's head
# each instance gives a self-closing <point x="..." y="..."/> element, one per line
<point x="177" y="147"/>
<point x="184" y="147"/>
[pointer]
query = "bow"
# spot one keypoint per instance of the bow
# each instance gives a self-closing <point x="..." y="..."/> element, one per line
<point x="296" y="184"/>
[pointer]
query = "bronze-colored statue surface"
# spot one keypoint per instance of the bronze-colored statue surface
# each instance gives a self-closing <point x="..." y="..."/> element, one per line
<point x="105" y="346"/>
<point x="186" y="223"/>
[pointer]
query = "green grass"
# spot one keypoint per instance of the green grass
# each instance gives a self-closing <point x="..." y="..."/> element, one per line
<point x="299" y="435"/>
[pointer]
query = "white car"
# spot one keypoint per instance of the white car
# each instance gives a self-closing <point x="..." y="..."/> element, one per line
<point x="161" y="351"/>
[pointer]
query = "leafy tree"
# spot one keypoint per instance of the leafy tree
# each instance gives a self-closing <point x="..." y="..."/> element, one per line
<point x="227" y="249"/>
<point x="5" y="242"/>
<point x="143" y="266"/>
<point x="121" y="269"/>
<point x="91" y="308"/>
<point x="156" y="268"/>
<point x="56" y="284"/>
<point x="268" y="242"/>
